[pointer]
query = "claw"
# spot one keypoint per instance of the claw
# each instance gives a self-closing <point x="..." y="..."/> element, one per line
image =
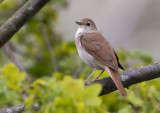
<point x="85" y="83"/>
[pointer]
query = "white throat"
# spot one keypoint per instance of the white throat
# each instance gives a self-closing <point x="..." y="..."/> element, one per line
<point x="82" y="31"/>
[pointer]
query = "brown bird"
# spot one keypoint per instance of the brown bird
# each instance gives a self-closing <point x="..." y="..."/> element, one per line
<point x="96" y="52"/>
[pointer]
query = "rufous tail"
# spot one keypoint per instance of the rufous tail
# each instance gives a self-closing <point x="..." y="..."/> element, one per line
<point x="115" y="77"/>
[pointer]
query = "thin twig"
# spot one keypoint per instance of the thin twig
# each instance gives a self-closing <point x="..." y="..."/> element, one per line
<point x="49" y="47"/>
<point x="14" y="59"/>
<point x="77" y="74"/>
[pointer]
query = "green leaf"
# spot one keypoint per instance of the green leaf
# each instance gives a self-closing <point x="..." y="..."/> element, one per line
<point x="72" y="87"/>
<point x="134" y="99"/>
<point x="126" y="109"/>
<point x="90" y="96"/>
<point x="12" y="76"/>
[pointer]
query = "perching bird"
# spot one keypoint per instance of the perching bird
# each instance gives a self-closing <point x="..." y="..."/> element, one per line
<point x="96" y="52"/>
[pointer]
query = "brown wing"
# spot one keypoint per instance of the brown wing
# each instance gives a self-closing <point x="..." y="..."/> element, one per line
<point x="100" y="49"/>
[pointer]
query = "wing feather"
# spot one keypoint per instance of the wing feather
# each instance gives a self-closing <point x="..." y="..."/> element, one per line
<point x="96" y="45"/>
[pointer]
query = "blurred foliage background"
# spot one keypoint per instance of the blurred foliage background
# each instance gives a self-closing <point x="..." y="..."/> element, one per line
<point x="44" y="72"/>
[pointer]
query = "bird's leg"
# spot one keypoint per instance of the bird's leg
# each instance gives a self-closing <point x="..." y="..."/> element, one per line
<point x="89" y="77"/>
<point x="99" y="75"/>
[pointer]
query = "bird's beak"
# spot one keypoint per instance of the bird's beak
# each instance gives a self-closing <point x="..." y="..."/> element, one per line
<point x="79" y="23"/>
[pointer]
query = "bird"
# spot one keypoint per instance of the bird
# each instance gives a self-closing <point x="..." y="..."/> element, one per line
<point x="97" y="53"/>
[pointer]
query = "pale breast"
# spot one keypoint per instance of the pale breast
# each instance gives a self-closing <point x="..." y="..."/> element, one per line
<point x="84" y="55"/>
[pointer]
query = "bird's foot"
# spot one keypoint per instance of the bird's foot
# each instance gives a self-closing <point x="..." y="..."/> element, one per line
<point x="85" y="83"/>
<point x="94" y="80"/>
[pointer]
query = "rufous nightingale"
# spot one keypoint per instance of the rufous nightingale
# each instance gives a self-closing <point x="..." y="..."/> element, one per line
<point x="96" y="52"/>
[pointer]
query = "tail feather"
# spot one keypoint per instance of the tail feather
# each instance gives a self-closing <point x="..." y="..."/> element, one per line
<point x="115" y="77"/>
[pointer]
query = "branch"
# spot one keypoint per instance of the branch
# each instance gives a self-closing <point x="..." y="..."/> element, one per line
<point x="16" y="109"/>
<point x="27" y="11"/>
<point x="128" y="78"/>
<point x="1" y="1"/>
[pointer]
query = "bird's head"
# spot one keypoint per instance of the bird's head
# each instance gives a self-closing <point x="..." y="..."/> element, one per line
<point x="87" y="24"/>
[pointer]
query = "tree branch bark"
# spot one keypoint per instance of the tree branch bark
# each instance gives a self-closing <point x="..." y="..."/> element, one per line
<point x="29" y="9"/>
<point x="1" y="1"/>
<point x="16" y="109"/>
<point x="128" y="78"/>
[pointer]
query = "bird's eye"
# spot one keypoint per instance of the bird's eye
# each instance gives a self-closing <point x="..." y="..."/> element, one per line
<point x="88" y="24"/>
